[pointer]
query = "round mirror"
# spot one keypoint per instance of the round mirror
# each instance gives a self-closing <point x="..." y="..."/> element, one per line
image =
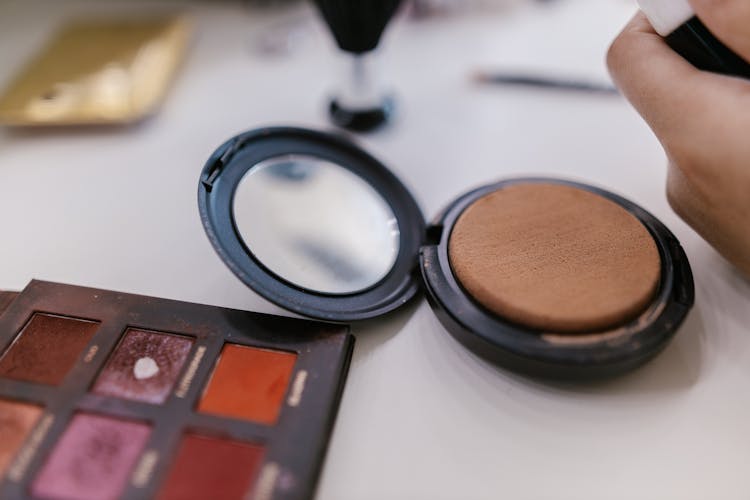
<point x="316" y="224"/>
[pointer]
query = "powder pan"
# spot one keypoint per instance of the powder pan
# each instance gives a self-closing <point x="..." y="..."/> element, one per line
<point x="421" y="261"/>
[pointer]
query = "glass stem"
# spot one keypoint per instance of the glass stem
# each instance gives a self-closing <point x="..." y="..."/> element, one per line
<point x="360" y="92"/>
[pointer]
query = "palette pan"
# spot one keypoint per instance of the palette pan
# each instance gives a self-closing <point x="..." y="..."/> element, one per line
<point x="546" y="276"/>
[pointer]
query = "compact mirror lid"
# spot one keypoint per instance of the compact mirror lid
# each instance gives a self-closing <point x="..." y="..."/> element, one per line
<point x="312" y="223"/>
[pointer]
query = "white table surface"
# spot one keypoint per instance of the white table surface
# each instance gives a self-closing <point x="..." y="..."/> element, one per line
<point x="421" y="417"/>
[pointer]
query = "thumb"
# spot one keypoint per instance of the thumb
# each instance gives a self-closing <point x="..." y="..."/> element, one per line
<point x="674" y="98"/>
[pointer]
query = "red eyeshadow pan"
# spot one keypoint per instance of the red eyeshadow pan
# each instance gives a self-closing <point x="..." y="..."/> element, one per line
<point x="248" y="383"/>
<point x="207" y="467"/>
<point x="47" y="348"/>
<point x="144" y="367"/>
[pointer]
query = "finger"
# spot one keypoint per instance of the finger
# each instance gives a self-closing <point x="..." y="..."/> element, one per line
<point x="674" y="98"/>
<point x="652" y="76"/>
<point x="728" y="20"/>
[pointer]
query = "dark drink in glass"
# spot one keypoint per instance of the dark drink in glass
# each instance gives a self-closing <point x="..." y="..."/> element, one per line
<point x="357" y="26"/>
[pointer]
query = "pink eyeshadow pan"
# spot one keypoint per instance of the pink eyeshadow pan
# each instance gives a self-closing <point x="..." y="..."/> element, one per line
<point x="92" y="460"/>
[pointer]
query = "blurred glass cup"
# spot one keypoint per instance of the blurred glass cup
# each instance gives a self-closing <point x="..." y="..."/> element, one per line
<point x="357" y="26"/>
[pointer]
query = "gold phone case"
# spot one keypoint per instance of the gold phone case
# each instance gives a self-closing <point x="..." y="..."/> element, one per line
<point x="97" y="72"/>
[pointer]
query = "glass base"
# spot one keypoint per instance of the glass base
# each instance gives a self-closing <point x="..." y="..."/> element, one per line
<point x="360" y="119"/>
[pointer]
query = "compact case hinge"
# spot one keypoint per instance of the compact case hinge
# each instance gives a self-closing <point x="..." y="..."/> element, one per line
<point x="213" y="172"/>
<point x="434" y="234"/>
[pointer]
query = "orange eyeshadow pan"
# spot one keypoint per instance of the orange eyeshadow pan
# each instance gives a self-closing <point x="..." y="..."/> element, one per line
<point x="16" y="421"/>
<point x="248" y="383"/>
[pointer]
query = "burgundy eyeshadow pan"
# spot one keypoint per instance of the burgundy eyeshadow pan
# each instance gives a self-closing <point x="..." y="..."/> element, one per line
<point x="47" y="348"/>
<point x="144" y="367"/>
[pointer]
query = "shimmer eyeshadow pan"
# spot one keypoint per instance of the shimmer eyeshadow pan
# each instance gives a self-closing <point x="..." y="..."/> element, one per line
<point x="248" y="383"/>
<point x="209" y="467"/>
<point x="16" y="421"/>
<point x="155" y="398"/>
<point x="92" y="460"/>
<point x="47" y="348"/>
<point x="144" y="367"/>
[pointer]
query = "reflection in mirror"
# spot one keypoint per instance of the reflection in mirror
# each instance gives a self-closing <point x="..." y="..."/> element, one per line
<point x="316" y="224"/>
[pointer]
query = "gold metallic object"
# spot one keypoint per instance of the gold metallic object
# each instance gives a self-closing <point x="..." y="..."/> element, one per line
<point x="97" y="72"/>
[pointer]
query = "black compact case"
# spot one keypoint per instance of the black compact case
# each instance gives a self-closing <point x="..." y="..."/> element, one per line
<point x="422" y="261"/>
<point x="551" y="354"/>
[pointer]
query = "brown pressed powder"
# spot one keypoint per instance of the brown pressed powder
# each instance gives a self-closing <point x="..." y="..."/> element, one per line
<point x="555" y="257"/>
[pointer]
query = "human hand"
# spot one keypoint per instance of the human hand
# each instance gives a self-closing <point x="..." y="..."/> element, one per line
<point x="701" y="119"/>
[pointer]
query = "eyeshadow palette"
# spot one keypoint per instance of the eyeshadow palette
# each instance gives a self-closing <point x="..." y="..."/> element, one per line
<point x="111" y="395"/>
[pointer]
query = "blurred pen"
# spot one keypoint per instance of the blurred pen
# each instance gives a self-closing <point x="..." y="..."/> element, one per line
<point x="546" y="82"/>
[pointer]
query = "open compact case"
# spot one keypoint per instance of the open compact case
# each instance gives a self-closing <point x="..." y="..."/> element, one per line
<point x="549" y="277"/>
